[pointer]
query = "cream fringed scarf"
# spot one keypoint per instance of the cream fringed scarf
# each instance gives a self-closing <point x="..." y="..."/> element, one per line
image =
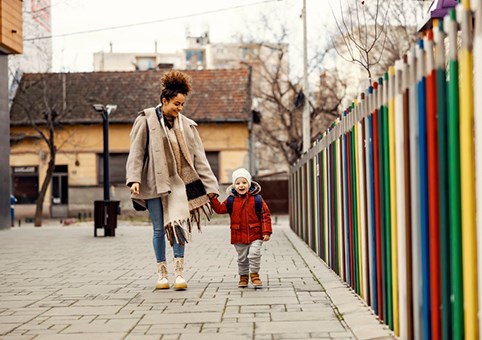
<point x="187" y="204"/>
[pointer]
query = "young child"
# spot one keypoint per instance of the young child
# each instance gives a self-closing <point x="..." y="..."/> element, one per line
<point x="249" y="228"/>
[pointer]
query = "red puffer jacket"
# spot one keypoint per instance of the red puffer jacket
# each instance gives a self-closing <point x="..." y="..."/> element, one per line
<point x="245" y="225"/>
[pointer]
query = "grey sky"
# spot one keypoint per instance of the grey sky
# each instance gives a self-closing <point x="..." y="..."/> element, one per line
<point x="170" y="20"/>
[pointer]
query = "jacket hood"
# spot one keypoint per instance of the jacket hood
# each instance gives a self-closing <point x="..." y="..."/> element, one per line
<point x="254" y="190"/>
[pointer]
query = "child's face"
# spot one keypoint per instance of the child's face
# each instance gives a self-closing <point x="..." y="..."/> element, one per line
<point x="241" y="185"/>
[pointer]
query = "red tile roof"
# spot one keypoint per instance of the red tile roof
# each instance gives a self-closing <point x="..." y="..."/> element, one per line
<point x="217" y="95"/>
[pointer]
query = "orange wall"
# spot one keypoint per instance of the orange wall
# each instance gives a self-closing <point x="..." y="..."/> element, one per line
<point x="80" y="144"/>
<point x="11" y="33"/>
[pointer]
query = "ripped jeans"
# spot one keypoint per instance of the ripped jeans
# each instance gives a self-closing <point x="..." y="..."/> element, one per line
<point x="158" y="239"/>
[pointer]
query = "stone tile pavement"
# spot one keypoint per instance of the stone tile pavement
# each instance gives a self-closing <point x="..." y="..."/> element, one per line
<point x="59" y="282"/>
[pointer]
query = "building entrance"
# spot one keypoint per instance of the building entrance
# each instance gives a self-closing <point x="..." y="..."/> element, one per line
<point x="60" y="192"/>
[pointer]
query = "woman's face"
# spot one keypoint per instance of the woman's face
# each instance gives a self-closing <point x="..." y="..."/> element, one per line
<point x="173" y="107"/>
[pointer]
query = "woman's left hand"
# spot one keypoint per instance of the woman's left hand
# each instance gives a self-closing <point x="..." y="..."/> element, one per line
<point x="266" y="237"/>
<point x="135" y="187"/>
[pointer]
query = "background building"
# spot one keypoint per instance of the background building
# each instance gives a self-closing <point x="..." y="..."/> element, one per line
<point x="220" y="103"/>
<point x="37" y="45"/>
<point x="11" y="42"/>
<point x="110" y="61"/>
<point x="201" y="54"/>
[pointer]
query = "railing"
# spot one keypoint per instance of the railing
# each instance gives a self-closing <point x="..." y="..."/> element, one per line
<point x="387" y="197"/>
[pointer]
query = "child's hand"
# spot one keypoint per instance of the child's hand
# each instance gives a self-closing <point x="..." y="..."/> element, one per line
<point x="265" y="237"/>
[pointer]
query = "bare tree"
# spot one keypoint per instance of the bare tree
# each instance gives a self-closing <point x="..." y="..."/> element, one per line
<point x="278" y="96"/>
<point x="404" y="16"/>
<point x="43" y="108"/>
<point x="280" y="102"/>
<point x="360" y="31"/>
<point x="374" y="34"/>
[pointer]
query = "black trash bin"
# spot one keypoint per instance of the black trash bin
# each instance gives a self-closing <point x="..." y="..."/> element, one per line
<point x="105" y="216"/>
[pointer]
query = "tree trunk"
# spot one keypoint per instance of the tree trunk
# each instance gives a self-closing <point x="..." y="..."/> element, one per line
<point x="43" y="190"/>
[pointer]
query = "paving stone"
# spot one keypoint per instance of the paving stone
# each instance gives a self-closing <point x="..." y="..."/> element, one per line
<point x="292" y="336"/>
<point x="183" y="318"/>
<point x="102" y="326"/>
<point x="141" y="337"/>
<point x="82" y="310"/>
<point x="287" y="327"/>
<point x="103" y="336"/>
<point x="6" y="328"/>
<point x="17" y="337"/>
<point x="70" y="288"/>
<point x="213" y="336"/>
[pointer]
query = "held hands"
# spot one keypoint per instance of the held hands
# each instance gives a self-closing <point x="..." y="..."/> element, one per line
<point x="266" y="237"/>
<point x="135" y="188"/>
<point x="211" y="195"/>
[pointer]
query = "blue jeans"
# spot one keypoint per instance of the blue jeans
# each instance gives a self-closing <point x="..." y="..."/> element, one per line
<point x="159" y="240"/>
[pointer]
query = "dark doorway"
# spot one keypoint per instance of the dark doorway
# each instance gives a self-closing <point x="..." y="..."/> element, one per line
<point x="275" y="193"/>
<point x="60" y="192"/>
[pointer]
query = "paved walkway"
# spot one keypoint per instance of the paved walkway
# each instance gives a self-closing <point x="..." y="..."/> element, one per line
<point x="59" y="282"/>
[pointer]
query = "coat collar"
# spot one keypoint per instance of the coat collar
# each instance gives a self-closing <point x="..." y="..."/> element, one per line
<point x="157" y="112"/>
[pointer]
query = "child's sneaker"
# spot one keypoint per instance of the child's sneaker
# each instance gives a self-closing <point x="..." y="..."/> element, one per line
<point x="243" y="281"/>
<point x="255" y="280"/>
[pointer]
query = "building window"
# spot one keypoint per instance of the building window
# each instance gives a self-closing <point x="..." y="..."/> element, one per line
<point x="244" y="53"/>
<point x="195" y="59"/>
<point x="25" y="184"/>
<point x="117" y="168"/>
<point x="145" y="63"/>
<point x="213" y="158"/>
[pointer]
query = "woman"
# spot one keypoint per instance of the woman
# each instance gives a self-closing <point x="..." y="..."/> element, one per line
<point x="169" y="175"/>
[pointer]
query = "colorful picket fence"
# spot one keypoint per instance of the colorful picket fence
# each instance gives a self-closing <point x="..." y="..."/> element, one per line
<point x="387" y="196"/>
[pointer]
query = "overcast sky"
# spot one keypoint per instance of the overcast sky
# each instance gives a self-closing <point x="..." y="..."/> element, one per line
<point x="168" y="22"/>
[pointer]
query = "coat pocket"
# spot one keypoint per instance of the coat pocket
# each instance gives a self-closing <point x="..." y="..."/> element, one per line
<point x="235" y="226"/>
<point x="254" y="225"/>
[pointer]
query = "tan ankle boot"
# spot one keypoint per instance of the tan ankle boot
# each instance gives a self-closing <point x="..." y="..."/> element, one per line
<point x="162" y="281"/>
<point x="243" y="281"/>
<point x="179" y="282"/>
<point x="255" y="280"/>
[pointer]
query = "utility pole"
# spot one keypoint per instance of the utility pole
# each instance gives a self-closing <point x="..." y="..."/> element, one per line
<point x="306" y="106"/>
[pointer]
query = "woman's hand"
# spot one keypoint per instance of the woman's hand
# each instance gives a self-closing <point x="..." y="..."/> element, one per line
<point x="211" y="195"/>
<point x="135" y="188"/>
<point x="266" y="237"/>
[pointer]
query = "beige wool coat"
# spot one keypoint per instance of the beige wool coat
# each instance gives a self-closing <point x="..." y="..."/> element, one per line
<point x="149" y="167"/>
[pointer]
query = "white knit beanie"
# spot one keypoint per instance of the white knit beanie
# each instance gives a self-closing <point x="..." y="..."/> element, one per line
<point x="242" y="173"/>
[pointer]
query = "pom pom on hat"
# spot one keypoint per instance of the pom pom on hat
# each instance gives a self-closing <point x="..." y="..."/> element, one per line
<point x="242" y="173"/>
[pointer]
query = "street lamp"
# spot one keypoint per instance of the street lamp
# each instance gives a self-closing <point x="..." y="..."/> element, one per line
<point x="105" y="212"/>
<point x="105" y="111"/>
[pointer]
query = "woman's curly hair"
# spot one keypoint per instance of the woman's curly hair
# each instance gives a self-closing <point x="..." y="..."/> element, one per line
<point x="173" y="83"/>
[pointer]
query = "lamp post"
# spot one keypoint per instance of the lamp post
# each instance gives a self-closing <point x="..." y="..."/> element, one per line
<point x="105" y="111"/>
<point x="105" y="212"/>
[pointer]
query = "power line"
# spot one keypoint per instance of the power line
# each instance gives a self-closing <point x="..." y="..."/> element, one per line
<point x="150" y="22"/>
